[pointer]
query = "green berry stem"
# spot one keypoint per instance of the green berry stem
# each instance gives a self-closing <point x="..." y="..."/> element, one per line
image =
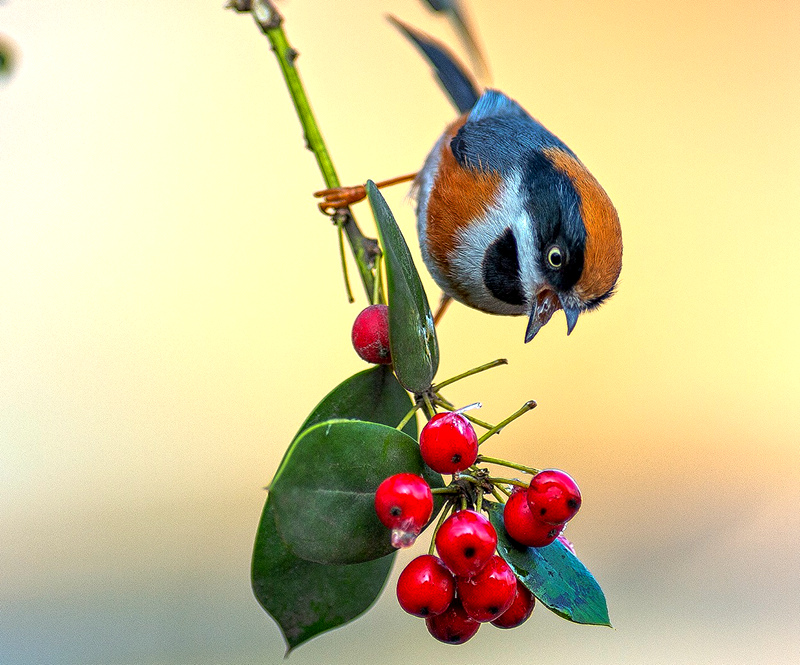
<point x="507" y="481"/>
<point x="343" y="259"/>
<point x="446" y="510"/>
<point x="440" y="401"/>
<point x="506" y="463"/>
<point x="444" y="490"/>
<point x="475" y="370"/>
<point x="528" y="406"/>
<point x="496" y="494"/>
<point x="407" y="417"/>
<point x="430" y="412"/>
<point x="470" y="479"/>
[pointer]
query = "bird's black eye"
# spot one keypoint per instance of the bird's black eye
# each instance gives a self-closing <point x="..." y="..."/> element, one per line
<point x="555" y="257"/>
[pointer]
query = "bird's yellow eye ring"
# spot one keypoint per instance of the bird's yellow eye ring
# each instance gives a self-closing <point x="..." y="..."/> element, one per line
<point x="555" y="257"/>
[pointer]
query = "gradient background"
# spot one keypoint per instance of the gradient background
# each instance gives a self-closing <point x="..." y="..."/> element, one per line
<point x="171" y="308"/>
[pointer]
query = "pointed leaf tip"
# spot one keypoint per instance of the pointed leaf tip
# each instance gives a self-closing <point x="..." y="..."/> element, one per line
<point x="554" y="575"/>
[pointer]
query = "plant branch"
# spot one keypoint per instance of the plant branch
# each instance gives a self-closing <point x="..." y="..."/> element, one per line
<point x="270" y="22"/>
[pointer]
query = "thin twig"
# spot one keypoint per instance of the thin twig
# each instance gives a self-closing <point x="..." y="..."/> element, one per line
<point x="270" y="22"/>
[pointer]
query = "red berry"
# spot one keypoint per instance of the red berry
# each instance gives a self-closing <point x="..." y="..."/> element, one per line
<point x="448" y="443"/>
<point x="523" y="526"/>
<point x="466" y="541"/>
<point x="490" y="592"/>
<point x="426" y="587"/>
<point x="404" y="504"/>
<point x="453" y="626"/>
<point x="553" y="496"/>
<point x="520" y="610"/>
<point x="371" y="335"/>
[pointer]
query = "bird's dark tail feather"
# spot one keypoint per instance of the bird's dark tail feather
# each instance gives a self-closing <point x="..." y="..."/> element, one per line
<point x="456" y="82"/>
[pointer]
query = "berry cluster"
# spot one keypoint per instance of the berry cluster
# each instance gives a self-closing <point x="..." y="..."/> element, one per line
<point x="537" y="517"/>
<point x="468" y="583"/>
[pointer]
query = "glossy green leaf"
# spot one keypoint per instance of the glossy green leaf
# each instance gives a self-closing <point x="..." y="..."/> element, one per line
<point x="306" y="598"/>
<point x="373" y="395"/>
<point x="412" y="336"/>
<point x="554" y="575"/>
<point x="324" y="492"/>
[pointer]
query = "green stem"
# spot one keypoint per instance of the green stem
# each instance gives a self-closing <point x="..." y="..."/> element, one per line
<point x="442" y="517"/>
<point x="430" y="411"/>
<point x="475" y="370"/>
<point x="497" y="495"/>
<point x="343" y="259"/>
<point x="270" y="22"/>
<point x="506" y="463"/>
<point x="407" y="417"/>
<point x="440" y="401"/>
<point x="528" y="406"/>
<point x="509" y="481"/>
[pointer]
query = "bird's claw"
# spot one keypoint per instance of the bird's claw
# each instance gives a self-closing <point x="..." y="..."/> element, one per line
<point x="337" y="198"/>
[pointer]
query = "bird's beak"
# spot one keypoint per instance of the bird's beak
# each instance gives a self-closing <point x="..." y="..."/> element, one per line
<point x="572" y="316"/>
<point x="545" y="303"/>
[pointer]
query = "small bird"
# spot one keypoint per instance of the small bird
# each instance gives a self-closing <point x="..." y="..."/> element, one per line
<point x="510" y="221"/>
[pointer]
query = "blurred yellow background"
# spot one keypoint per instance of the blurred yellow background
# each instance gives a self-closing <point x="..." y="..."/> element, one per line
<point x="171" y="307"/>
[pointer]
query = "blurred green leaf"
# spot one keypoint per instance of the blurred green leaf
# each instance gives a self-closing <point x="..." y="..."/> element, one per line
<point x="554" y="575"/>
<point x="306" y="598"/>
<point x="324" y="492"/>
<point x="7" y="56"/>
<point x="412" y="336"/>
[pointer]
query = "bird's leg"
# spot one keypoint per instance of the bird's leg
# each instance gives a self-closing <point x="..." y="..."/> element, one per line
<point x="444" y="303"/>
<point x="337" y="198"/>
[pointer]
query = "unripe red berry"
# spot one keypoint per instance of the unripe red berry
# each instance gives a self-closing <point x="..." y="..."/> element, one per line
<point x="553" y="496"/>
<point x="426" y="587"/>
<point x="448" y="443"/>
<point x="520" y="610"/>
<point x="465" y="542"/>
<point x="371" y="335"/>
<point x="523" y="526"/>
<point x="490" y="592"/>
<point x="404" y="504"/>
<point x="453" y="626"/>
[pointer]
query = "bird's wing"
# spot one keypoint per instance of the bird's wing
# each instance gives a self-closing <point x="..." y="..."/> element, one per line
<point x="499" y="135"/>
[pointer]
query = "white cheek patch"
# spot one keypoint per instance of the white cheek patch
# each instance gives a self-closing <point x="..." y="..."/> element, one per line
<point x="467" y="263"/>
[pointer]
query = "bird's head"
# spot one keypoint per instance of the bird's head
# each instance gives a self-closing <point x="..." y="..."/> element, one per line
<point x="577" y="238"/>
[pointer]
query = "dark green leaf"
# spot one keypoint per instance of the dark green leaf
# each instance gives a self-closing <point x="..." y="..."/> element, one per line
<point x="412" y="336"/>
<point x="324" y="491"/>
<point x="308" y="598"/>
<point x="373" y="395"/>
<point x="554" y="575"/>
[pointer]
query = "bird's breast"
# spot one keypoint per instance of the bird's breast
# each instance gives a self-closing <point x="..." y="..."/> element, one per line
<point x="461" y="213"/>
